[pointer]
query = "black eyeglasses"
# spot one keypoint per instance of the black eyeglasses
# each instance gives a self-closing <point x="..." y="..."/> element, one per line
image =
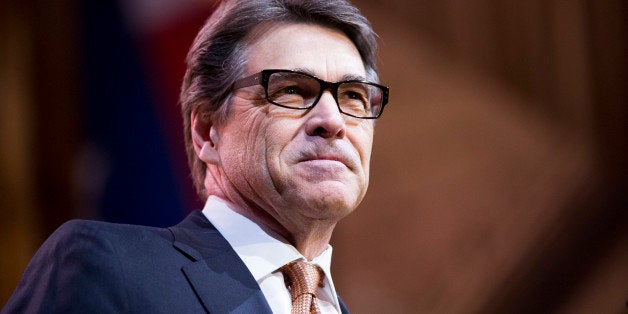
<point x="297" y="90"/>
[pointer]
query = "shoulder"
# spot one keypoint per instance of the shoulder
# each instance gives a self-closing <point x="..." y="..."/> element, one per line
<point x="97" y="241"/>
<point x="94" y="248"/>
<point x="78" y="231"/>
<point x="93" y="227"/>
<point x="84" y="266"/>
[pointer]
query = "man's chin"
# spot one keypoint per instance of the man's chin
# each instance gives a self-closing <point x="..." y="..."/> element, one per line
<point x="328" y="199"/>
<point x="322" y="170"/>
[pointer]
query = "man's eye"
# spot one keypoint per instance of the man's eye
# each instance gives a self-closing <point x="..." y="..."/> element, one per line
<point x="354" y="95"/>
<point x="286" y="90"/>
<point x="290" y="90"/>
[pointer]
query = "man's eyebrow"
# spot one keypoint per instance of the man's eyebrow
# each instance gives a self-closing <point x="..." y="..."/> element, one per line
<point x="306" y="71"/>
<point x="346" y="77"/>
<point x="353" y="77"/>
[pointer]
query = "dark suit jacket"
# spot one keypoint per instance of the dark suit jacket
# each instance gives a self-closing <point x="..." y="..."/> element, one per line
<point x="98" y="267"/>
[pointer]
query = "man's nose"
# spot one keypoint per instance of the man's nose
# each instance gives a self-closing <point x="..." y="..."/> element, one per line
<point x="325" y="119"/>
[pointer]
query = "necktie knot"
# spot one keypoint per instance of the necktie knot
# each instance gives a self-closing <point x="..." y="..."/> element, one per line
<point x="303" y="278"/>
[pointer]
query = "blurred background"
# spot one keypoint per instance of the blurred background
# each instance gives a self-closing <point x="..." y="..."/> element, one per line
<point x="499" y="171"/>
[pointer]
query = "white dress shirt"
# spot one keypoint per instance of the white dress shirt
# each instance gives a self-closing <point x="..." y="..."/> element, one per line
<point x="264" y="252"/>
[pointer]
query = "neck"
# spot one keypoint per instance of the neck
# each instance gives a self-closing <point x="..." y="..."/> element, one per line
<point x="313" y="242"/>
<point x="310" y="236"/>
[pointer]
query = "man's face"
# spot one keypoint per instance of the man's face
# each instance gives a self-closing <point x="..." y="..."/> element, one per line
<point x="297" y="164"/>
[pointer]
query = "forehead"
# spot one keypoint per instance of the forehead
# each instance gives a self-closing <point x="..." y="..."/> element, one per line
<point x="327" y="53"/>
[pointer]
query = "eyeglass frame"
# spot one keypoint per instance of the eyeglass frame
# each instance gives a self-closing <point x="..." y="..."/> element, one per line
<point x="262" y="78"/>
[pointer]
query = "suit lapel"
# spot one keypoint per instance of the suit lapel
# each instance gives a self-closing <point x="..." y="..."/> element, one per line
<point x="343" y="307"/>
<point x="216" y="273"/>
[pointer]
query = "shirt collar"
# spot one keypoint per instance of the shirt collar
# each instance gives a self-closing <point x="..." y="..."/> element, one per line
<point x="262" y="252"/>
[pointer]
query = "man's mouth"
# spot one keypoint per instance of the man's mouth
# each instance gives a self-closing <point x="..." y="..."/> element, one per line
<point x="328" y="159"/>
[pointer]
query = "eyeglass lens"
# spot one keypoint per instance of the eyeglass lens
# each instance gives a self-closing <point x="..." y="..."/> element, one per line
<point x="301" y="91"/>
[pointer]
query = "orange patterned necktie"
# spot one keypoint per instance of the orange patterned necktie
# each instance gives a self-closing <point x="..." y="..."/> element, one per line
<point x="302" y="278"/>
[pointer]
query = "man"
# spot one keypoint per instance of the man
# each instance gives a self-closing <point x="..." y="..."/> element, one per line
<point x="278" y="101"/>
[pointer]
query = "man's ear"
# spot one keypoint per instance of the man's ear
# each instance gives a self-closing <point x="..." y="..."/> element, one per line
<point x="205" y="137"/>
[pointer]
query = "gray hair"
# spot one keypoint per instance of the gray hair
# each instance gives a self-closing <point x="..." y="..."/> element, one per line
<point x="217" y="57"/>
